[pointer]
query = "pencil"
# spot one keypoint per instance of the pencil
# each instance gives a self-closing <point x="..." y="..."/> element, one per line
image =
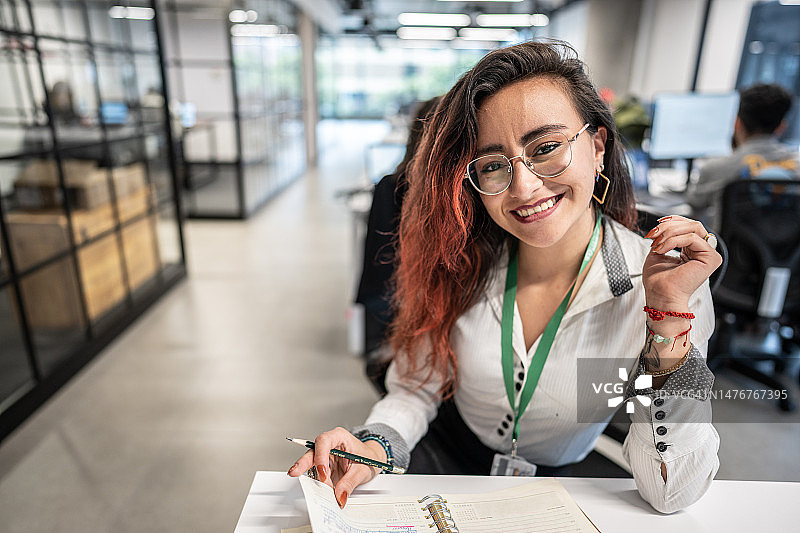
<point x="353" y="457"/>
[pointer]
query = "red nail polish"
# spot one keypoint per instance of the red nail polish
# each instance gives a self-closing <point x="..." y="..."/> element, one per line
<point x="651" y="233"/>
<point x="343" y="500"/>
<point x="322" y="471"/>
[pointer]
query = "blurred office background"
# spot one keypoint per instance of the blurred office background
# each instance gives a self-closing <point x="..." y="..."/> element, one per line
<point x="183" y="187"/>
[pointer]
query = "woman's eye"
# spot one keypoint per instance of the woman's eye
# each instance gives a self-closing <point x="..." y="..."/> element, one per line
<point x="546" y="148"/>
<point x="494" y="166"/>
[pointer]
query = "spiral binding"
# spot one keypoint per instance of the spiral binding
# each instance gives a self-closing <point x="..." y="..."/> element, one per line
<point x="437" y="510"/>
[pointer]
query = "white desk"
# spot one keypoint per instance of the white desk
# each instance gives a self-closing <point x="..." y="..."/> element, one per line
<point x="276" y="501"/>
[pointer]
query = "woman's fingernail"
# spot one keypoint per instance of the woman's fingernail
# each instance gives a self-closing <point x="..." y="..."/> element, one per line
<point x="656" y="242"/>
<point x="651" y="233"/>
<point x="342" y="500"/>
<point x="662" y="219"/>
<point x="322" y="472"/>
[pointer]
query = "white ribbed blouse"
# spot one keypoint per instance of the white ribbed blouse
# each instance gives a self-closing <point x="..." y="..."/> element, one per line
<point x="604" y="322"/>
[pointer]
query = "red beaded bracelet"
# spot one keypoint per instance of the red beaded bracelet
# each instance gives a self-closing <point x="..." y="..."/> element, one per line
<point x="656" y="315"/>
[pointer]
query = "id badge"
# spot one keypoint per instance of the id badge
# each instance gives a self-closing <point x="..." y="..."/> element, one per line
<point x="509" y="465"/>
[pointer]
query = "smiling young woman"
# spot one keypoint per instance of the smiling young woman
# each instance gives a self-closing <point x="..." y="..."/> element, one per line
<point x="517" y="261"/>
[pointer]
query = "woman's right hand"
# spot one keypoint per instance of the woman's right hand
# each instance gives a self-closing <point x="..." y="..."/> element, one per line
<point x="341" y="474"/>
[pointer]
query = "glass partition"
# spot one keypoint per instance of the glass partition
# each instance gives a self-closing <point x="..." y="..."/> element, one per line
<point x="240" y="82"/>
<point x="17" y="376"/>
<point x="88" y="229"/>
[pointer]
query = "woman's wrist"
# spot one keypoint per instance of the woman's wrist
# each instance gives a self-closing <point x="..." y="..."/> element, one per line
<point x="662" y="317"/>
<point x="378" y="451"/>
<point x="668" y="326"/>
<point x="663" y="303"/>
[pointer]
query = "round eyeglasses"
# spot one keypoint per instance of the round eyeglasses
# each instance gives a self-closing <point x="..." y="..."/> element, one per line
<point x="546" y="156"/>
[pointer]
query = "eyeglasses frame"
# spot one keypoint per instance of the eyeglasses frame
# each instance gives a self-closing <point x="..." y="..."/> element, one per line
<point x="529" y="167"/>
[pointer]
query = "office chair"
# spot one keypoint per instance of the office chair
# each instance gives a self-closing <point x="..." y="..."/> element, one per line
<point x="757" y="303"/>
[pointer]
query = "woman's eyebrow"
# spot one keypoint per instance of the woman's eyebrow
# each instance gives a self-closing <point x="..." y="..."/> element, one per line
<point x="490" y="149"/>
<point x="525" y="139"/>
<point x="541" y="130"/>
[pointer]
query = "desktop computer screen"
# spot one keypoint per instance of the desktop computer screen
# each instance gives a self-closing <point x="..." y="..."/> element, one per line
<point x="692" y="125"/>
<point x="114" y="113"/>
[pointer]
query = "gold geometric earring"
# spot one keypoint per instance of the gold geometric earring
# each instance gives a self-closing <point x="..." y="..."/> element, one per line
<point x="597" y="177"/>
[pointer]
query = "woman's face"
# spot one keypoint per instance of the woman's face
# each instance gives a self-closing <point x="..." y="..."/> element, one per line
<point x="509" y="119"/>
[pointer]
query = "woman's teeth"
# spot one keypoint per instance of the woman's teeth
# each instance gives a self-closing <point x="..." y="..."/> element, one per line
<point x="544" y="206"/>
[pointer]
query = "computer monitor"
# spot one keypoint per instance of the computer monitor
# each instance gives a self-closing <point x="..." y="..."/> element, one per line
<point x="188" y="114"/>
<point x="114" y="113"/>
<point x="692" y="125"/>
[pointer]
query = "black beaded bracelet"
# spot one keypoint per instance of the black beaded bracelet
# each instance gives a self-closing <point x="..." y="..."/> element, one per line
<point x="383" y="442"/>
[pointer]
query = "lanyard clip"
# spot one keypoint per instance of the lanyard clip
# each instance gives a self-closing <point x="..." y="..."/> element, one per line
<point x="513" y="447"/>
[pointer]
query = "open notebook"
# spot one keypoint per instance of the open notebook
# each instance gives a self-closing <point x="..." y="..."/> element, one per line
<point x="539" y="506"/>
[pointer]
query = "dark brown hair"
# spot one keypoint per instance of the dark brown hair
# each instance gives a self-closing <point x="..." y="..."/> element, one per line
<point x="763" y="106"/>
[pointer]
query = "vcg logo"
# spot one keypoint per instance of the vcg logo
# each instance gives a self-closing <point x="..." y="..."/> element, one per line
<point x="642" y="382"/>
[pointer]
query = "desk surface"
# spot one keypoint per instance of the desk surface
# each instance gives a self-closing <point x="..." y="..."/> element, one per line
<point x="276" y="501"/>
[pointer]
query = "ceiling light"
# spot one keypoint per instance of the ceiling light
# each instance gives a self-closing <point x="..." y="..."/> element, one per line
<point x="433" y="19"/>
<point x="518" y="20"/>
<point x="437" y="34"/>
<point x="540" y="19"/>
<point x="136" y="13"/>
<point x="487" y="34"/>
<point x="237" y="15"/>
<point x="254" y="30"/>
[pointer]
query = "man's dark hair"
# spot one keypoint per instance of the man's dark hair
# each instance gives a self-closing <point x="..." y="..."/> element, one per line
<point x="763" y="106"/>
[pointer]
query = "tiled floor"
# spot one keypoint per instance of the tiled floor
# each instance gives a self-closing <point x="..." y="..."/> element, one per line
<point x="164" y="430"/>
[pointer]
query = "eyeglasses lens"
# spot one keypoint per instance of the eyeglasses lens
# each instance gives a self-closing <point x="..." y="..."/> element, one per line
<point x="547" y="156"/>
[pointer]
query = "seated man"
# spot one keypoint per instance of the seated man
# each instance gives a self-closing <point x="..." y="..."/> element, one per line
<point x="757" y="152"/>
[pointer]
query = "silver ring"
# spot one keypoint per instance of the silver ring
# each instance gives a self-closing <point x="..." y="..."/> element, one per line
<point x="711" y="239"/>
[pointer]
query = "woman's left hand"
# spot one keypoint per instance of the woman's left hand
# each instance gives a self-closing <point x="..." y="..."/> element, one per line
<point x="669" y="281"/>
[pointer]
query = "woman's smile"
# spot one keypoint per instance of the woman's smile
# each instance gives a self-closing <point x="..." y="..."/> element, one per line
<point x="537" y="211"/>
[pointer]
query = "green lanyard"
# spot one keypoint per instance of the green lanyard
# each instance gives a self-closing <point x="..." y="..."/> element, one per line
<point x="543" y="349"/>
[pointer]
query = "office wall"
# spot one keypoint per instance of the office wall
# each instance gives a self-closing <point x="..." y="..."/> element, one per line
<point x="570" y="24"/>
<point x="669" y="33"/>
<point x="611" y="41"/>
<point x="643" y="47"/>
<point x="727" y="27"/>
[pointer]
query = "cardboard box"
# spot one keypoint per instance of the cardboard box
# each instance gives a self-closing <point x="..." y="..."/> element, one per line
<point x="51" y="294"/>
<point x="87" y="185"/>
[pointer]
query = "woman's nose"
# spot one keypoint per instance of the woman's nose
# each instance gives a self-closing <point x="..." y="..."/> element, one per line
<point x="523" y="181"/>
